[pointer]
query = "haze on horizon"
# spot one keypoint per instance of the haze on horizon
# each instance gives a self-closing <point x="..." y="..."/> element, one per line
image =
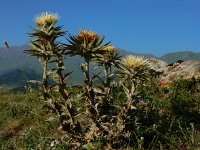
<point x="141" y="26"/>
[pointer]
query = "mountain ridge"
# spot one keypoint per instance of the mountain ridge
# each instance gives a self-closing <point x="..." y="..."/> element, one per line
<point x="14" y="61"/>
<point x="183" y="55"/>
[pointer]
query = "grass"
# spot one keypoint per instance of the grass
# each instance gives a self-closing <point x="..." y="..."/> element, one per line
<point x="173" y="119"/>
<point x="25" y="123"/>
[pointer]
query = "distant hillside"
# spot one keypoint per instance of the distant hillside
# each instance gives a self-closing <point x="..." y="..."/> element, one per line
<point x="17" y="67"/>
<point x="18" y="77"/>
<point x="185" y="55"/>
<point x="14" y="58"/>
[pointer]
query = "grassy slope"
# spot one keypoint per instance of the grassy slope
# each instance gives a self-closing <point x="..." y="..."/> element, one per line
<point x="24" y="123"/>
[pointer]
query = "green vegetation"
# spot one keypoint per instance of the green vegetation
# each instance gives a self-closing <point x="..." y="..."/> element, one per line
<point x="121" y="109"/>
<point x="25" y="124"/>
<point x="165" y="118"/>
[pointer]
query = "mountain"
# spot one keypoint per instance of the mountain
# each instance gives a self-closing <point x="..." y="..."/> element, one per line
<point x="16" y="67"/>
<point x="18" y="77"/>
<point x="14" y="58"/>
<point x="184" y="55"/>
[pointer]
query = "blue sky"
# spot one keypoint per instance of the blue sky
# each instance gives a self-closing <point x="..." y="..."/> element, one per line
<point x="142" y="26"/>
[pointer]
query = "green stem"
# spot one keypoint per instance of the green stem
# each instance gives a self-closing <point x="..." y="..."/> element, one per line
<point x="106" y="80"/>
<point x="88" y="87"/>
<point x="87" y="79"/>
<point x="62" y="86"/>
<point x="88" y="82"/>
<point x="44" y="81"/>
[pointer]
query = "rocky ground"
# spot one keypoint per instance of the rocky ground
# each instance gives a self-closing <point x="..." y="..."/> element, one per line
<point x="178" y="69"/>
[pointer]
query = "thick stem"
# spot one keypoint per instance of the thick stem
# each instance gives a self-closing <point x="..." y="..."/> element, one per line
<point x="90" y="96"/>
<point x="87" y="77"/>
<point x="45" y="81"/>
<point x="62" y="86"/>
<point x="131" y="94"/>
<point x="88" y="82"/>
<point x="106" y="75"/>
<point x="89" y="92"/>
<point x="106" y="80"/>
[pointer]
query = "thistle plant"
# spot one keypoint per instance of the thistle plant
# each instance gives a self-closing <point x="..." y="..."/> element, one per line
<point x="48" y="49"/>
<point x="86" y="44"/>
<point x="133" y="72"/>
<point x="107" y="58"/>
<point x="43" y="44"/>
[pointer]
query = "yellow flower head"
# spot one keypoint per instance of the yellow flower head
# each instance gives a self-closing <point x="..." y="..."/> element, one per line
<point x="46" y="18"/>
<point x="110" y="49"/>
<point x="86" y="36"/>
<point x="133" y="62"/>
